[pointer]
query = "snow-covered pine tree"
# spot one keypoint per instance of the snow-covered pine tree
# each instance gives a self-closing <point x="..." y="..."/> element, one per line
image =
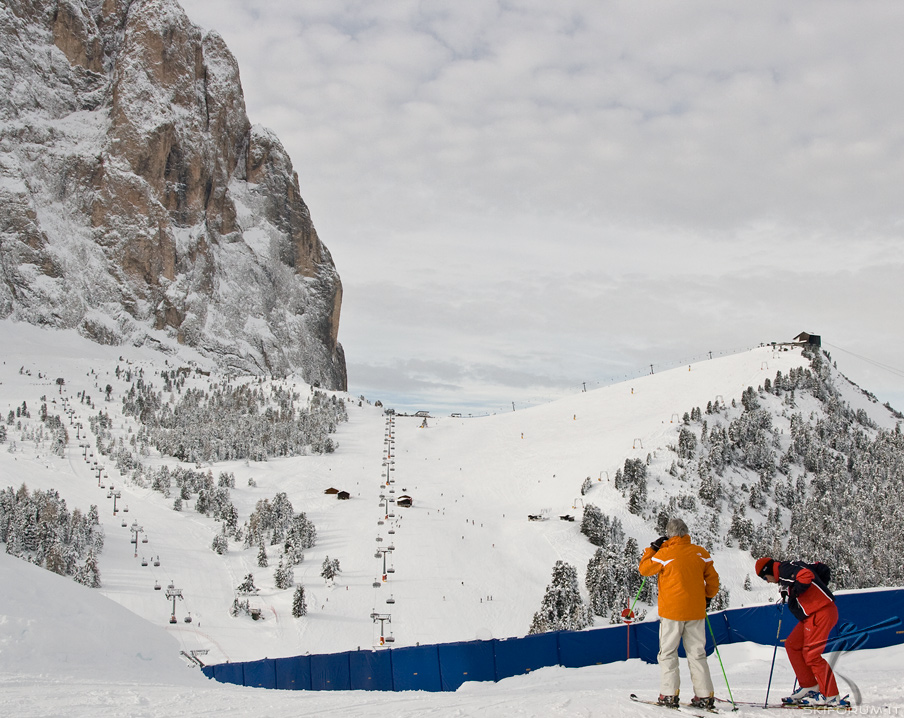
<point x="89" y="574"/>
<point x="687" y="443"/>
<point x="299" y="604"/>
<point x="330" y="568"/>
<point x="284" y="575"/>
<point x="262" y="561"/>
<point x="247" y="587"/>
<point x="562" y="607"/>
<point x="220" y="544"/>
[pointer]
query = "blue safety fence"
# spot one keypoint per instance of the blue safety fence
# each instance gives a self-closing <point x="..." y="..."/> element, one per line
<point x="867" y="619"/>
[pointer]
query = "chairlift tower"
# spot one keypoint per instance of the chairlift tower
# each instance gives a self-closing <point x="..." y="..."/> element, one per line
<point x="383" y="618"/>
<point x="174" y="593"/>
<point x="136" y="530"/>
<point x="384" y="551"/>
<point x="114" y="495"/>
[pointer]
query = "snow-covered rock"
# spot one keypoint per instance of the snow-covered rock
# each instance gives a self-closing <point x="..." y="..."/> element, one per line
<point x="139" y="205"/>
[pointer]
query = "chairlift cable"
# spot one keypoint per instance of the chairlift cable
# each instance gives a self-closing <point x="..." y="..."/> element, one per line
<point x="873" y="362"/>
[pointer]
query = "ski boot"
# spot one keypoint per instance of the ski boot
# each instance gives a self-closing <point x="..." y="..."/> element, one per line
<point x="668" y="701"/>
<point x="800" y="694"/>
<point x="709" y="703"/>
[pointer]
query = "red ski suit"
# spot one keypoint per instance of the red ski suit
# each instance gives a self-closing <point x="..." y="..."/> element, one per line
<point x="811" y="601"/>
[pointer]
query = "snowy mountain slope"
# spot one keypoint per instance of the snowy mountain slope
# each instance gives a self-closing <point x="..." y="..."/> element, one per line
<point x="50" y="625"/>
<point x="468" y="563"/>
<point x="139" y="205"/>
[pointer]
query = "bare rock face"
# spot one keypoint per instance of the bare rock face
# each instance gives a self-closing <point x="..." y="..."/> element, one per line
<point x="137" y="202"/>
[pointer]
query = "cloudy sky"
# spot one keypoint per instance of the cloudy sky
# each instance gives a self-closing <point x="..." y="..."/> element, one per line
<point x="524" y="197"/>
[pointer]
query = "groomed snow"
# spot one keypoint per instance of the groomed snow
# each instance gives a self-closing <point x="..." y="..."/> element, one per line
<point x="468" y="563"/>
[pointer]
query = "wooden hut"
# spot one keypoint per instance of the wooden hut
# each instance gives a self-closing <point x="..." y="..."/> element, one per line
<point x="806" y="338"/>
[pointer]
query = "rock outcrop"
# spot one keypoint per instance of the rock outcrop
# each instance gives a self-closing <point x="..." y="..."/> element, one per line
<point x="137" y="202"/>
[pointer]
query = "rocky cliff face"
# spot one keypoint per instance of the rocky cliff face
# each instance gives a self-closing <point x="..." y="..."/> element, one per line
<point x="138" y="204"/>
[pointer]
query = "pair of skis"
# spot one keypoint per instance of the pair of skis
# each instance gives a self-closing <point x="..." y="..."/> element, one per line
<point x="683" y="708"/>
<point x="699" y="712"/>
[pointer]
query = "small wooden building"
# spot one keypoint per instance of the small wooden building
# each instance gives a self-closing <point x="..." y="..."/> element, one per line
<point x="331" y="491"/>
<point x="405" y="501"/>
<point x="343" y="495"/>
<point x="812" y="339"/>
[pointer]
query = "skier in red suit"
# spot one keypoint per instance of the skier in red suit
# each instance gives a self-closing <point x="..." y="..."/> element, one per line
<point x="813" y="604"/>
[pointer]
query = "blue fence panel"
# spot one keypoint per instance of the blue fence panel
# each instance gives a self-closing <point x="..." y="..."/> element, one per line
<point x="759" y="624"/>
<point x="878" y="616"/>
<point x="293" y="674"/>
<point x="462" y="662"/>
<point x="718" y="626"/>
<point x="591" y="648"/>
<point x="646" y="637"/>
<point x="230" y="673"/>
<point x="416" y="668"/>
<point x="867" y="619"/>
<point x="260" y="674"/>
<point x="516" y="656"/>
<point x="371" y="670"/>
<point x="330" y="672"/>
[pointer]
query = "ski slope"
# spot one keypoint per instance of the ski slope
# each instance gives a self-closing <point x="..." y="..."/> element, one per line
<point x="66" y="650"/>
<point x="467" y="562"/>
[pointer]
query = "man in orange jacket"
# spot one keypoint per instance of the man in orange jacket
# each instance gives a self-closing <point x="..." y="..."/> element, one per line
<point x="687" y="583"/>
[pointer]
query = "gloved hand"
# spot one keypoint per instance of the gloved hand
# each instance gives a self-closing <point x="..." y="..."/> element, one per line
<point x="784" y="594"/>
<point x="708" y="601"/>
<point x="657" y="544"/>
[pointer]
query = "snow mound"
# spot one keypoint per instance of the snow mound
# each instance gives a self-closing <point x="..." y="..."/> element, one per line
<point x="50" y="625"/>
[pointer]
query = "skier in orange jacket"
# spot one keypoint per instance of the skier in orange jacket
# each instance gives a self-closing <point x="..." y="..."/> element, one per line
<point x="687" y="583"/>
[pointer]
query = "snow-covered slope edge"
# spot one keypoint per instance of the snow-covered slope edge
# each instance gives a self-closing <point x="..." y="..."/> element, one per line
<point x="51" y="626"/>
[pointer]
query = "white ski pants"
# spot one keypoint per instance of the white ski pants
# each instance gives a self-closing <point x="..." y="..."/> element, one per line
<point x="693" y="634"/>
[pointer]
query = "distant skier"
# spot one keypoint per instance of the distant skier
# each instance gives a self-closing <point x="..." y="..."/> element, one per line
<point x="687" y="583"/>
<point x="804" y="586"/>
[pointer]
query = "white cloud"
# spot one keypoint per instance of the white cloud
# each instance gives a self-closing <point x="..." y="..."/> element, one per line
<point x="529" y="195"/>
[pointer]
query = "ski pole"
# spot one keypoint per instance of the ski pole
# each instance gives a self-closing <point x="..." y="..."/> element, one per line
<point x="637" y="595"/>
<point x="630" y="616"/>
<point x="774" y="651"/>
<point x="719" y="656"/>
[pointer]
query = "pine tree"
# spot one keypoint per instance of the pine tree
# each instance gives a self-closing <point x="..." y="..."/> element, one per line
<point x="687" y="443"/>
<point x="595" y="525"/>
<point x="89" y="574"/>
<point x="284" y="575"/>
<point x="247" y="586"/>
<point x="299" y="605"/>
<point x="562" y="607"/>
<point x="220" y="544"/>
<point x="54" y="560"/>
<point x="329" y="569"/>
<point x="262" y="557"/>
